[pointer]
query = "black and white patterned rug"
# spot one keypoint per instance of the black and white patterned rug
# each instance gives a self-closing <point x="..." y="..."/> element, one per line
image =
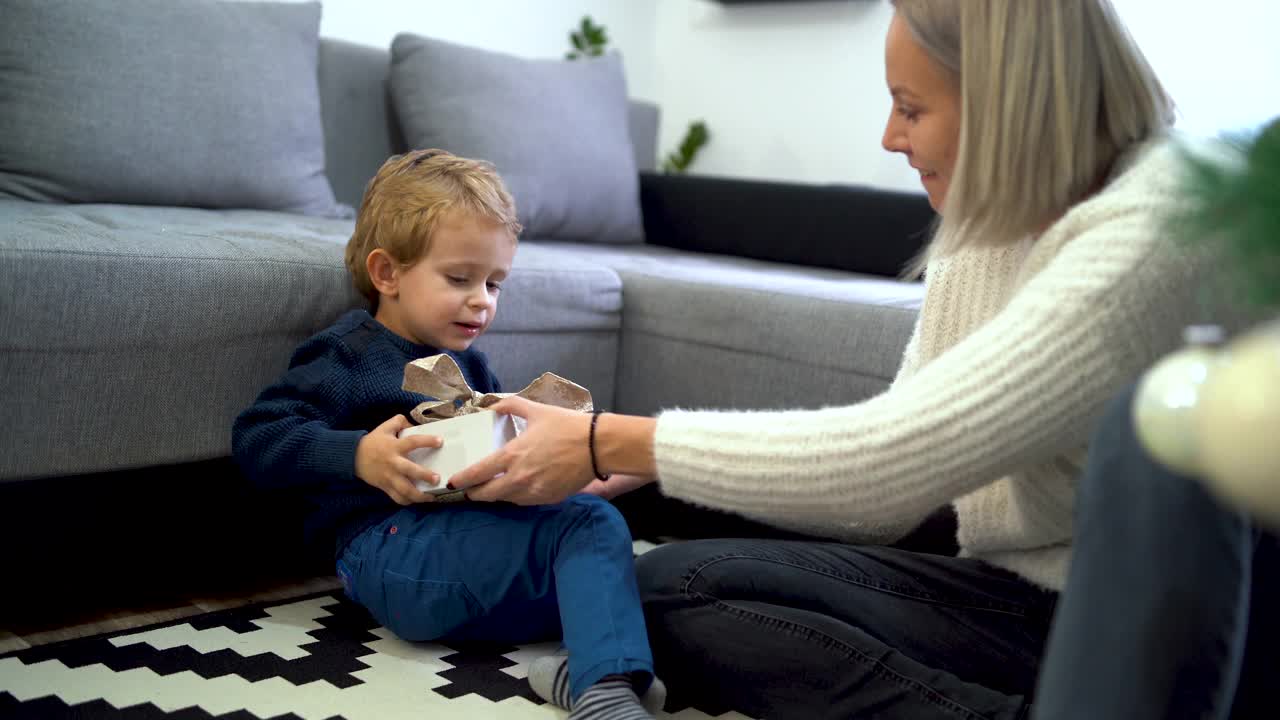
<point x="318" y="657"/>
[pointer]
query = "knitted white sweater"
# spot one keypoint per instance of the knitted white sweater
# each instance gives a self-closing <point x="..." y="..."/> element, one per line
<point x="1015" y="354"/>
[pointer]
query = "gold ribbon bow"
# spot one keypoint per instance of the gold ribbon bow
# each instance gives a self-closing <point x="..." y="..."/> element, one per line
<point x="440" y="377"/>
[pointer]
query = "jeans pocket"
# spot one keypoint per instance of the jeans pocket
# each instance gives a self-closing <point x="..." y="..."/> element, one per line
<point x="346" y="570"/>
<point x="422" y="610"/>
<point x="349" y="566"/>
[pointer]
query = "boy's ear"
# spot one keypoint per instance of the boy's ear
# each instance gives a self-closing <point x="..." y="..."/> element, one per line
<point x="383" y="272"/>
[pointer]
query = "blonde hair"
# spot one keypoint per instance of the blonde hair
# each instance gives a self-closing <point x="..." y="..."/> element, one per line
<point x="406" y="199"/>
<point x="1052" y="92"/>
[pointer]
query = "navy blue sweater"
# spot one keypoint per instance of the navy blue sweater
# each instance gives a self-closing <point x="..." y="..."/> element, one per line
<point x="300" y="436"/>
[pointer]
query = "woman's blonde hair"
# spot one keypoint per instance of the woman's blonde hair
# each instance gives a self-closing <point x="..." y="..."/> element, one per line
<point x="1052" y="91"/>
<point x="406" y="199"/>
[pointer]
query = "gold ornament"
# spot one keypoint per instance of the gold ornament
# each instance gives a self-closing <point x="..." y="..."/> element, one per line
<point x="1165" y="401"/>
<point x="1237" y="424"/>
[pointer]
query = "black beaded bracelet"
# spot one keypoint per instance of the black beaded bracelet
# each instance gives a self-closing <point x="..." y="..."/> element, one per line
<point x="591" y="446"/>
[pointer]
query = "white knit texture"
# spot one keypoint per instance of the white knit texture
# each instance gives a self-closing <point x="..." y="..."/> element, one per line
<point x="1015" y="355"/>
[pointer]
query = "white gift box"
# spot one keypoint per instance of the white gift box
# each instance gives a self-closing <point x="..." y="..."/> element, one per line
<point x="467" y="438"/>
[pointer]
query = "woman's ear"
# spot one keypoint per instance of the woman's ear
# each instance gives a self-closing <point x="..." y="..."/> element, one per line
<point x="383" y="272"/>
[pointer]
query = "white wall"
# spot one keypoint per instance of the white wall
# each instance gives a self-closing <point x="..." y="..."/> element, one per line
<point x="796" y="90"/>
<point x="529" y="28"/>
<point x="791" y="90"/>
<point x="1219" y="60"/>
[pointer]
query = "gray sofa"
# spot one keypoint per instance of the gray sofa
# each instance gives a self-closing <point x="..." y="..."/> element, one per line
<point x="130" y="336"/>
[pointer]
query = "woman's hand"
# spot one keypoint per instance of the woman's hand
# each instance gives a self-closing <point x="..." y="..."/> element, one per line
<point x="616" y="485"/>
<point x="546" y="463"/>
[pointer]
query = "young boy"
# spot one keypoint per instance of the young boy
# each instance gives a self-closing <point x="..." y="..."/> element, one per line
<point x="433" y="242"/>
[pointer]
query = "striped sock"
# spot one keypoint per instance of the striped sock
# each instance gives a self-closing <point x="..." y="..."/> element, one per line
<point x="612" y="698"/>
<point x="549" y="679"/>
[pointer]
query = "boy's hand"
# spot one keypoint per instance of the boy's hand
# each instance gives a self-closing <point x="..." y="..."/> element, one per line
<point x="381" y="461"/>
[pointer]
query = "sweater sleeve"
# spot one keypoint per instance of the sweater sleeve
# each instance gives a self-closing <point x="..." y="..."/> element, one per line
<point x="1028" y="384"/>
<point x="287" y="440"/>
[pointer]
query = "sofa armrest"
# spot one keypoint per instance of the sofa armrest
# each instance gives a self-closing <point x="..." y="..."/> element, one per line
<point x="842" y="227"/>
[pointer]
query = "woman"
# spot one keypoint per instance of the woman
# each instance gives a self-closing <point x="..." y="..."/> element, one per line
<point x="1037" y="131"/>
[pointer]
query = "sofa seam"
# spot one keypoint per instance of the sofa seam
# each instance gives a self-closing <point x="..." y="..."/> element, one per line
<point x="279" y="261"/>
<point x="763" y="292"/>
<point x="756" y="353"/>
<point x="125" y="256"/>
<point x="200" y="342"/>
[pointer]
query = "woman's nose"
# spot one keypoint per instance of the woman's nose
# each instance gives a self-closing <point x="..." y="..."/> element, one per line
<point x="893" y="139"/>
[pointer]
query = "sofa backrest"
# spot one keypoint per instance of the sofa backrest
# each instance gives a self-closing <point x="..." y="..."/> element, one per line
<point x="360" y="125"/>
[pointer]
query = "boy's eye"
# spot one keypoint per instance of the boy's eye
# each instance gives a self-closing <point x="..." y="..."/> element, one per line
<point x="457" y="279"/>
<point x="495" y="287"/>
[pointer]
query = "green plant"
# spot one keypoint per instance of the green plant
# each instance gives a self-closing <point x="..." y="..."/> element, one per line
<point x="694" y="139"/>
<point x="588" y="40"/>
<point x="1237" y="203"/>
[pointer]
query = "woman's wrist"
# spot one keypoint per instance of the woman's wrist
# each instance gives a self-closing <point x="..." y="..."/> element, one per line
<point x="624" y="444"/>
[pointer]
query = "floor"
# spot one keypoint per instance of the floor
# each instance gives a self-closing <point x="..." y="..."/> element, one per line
<point x="115" y="551"/>
<point x="30" y="628"/>
<point x="122" y="550"/>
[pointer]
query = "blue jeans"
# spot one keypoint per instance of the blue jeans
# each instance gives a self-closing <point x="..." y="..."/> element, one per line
<point x="1155" y="620"/>
<point x="493" y="572"/>
<point x="804" y="629"/>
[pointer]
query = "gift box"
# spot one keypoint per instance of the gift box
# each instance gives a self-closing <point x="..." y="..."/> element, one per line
<point x="467" y="438"/>
<point x="460" y="416"/>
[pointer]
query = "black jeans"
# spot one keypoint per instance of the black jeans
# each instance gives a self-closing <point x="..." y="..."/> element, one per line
<point x="1169" y="611"/>
<point x="786" y="629"/>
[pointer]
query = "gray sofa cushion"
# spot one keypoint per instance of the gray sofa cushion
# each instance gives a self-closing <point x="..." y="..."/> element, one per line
<point x="558" y="314"/>
<point x="558" y="131"/>
<point x="361" y="129"/>
<point x="133" y="336"/>
<point x="162" y="102"/>
<point x="713" y="331"/>
<point x="642" y="119"/>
